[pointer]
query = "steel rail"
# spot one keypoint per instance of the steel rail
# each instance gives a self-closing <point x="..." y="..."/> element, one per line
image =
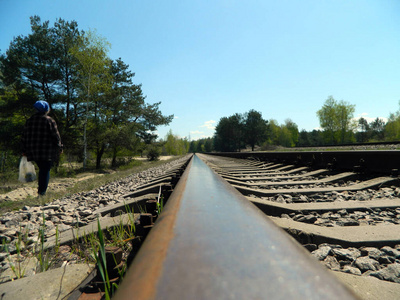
<point x="212" y="243"/>
<point x="372" y="161"/>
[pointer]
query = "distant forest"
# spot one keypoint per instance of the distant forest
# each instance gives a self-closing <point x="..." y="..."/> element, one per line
<point x="252" y="132"/>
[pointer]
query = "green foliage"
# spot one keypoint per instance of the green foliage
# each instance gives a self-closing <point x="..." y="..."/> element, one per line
<point x="95" y="79"/>
<point x="44" y="257"/>
<point x="101" y="262"/>
<point x="237" y="131"/>
<point x="286" y="135"/>
<point x="160" y="204"/>
<point x="131" y="164"/>
<point x="273" y="132"/>
<point x="255" y="128"/>
<point x="285" y="138"/>
<point x="153" y="153"/>
<point x="377" y="130"/>
<point x="313" y="138"/>
<point x="364" y="131"/>
<point x="8" y="168"/>
<point x="175" y="145"/>
<point x="201" y="145"/>
<point x="229" y="134"/>
<point x="304" y="139"/>
<point x="17" y="265"/>
<point x="208" y="144"/>
<point x="392" y="128"/>
<point x="39" y="67"/>
<point x="293" y="132"/>
<point x="336" y="120"/>
<point x="92" y="98"/>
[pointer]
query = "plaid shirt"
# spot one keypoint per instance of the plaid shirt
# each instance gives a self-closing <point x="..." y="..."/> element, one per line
<point x="41" y="139"/>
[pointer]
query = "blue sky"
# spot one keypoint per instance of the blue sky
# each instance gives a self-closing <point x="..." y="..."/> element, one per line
<point x="208" y="59"/>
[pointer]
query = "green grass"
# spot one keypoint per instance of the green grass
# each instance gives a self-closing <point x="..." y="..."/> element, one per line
<point x="90" y="248"/>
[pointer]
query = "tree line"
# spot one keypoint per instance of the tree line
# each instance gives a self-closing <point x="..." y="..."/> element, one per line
<point x="250" y="129"/>
<point x="340" y="127"/>
<point x="337" y="126"/>
<point x="98" y="108"/>
<point x="235" y="133"/>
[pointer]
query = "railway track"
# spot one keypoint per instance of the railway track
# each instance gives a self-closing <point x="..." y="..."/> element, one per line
<point x="220" y="234"/>
<point x="356" y="237"/>
<point x="353" y="209"/>
<point x="211" y="243"/>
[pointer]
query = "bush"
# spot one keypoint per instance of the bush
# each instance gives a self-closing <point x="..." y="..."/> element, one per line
<point x="153" y="153"/>
<point x="129" y="165"/>
<point x="9" y="168"/>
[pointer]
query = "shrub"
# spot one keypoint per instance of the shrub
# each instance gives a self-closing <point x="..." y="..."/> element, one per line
<point x="153" y="153"/>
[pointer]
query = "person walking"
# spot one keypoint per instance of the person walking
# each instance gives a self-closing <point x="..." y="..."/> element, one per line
<point x="42" y="143"/>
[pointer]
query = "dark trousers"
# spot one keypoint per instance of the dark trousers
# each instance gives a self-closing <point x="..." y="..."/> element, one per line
<point x="44" y="175"/>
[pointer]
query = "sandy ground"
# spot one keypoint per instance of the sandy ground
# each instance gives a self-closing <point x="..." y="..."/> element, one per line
<point x="55" y="184"/>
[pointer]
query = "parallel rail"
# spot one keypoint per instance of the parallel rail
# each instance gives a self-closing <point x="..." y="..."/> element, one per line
<point x="210" y="242"/>
<point x="371" y="161"/>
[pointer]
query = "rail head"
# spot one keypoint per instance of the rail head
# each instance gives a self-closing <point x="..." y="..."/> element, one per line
<point x="212" y="243"/>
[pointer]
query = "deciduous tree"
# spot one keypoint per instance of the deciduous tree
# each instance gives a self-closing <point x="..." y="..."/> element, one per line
<point x="377" y="128"/>
<point x="255" y="128"/>
<point x="175" y="145"/>
<point x="294" y="132"/>
<point x="364" y="130"/>
<point x="273" y="132"/>
<point x="229" y="134"/>
<point x="392" y="128"/>
<point x="336" y="120"/>
<point x="94" y="77"/>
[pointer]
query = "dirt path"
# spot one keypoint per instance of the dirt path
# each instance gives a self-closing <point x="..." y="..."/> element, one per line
<point x="56" y="184"/>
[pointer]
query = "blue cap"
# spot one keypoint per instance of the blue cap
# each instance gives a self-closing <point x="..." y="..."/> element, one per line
<point x="41" y="106"/>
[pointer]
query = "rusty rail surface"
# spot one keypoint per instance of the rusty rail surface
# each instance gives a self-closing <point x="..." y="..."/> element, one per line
<point x="212" y="243"/>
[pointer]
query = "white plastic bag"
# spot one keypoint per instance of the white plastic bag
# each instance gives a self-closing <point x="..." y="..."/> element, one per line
<point x="27" y="171"/>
